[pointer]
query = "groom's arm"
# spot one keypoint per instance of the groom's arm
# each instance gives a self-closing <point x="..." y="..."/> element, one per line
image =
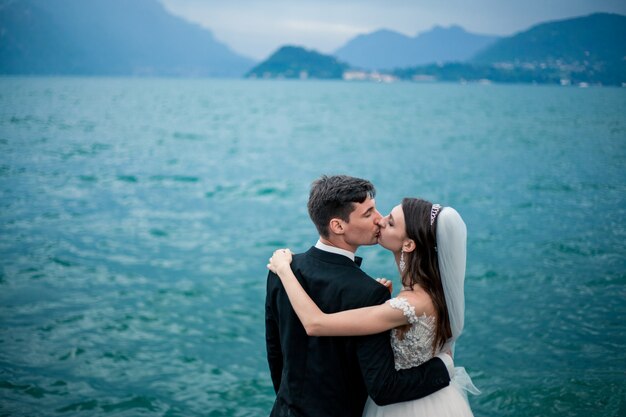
<point x="386" y="385"/>
<point x="272" y="335"/>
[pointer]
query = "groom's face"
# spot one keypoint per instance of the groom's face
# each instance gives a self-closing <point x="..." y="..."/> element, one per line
<point x="363" y="229"/>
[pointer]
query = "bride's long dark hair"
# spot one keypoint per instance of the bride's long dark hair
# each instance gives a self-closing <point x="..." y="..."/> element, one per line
<point x="422" y="265"/>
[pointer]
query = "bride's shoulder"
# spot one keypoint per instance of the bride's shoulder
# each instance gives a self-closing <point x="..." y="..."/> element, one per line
<point x="419" y="300"/>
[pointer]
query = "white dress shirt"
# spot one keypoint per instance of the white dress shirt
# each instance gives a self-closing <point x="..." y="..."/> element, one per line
<point x="333" y="249"/>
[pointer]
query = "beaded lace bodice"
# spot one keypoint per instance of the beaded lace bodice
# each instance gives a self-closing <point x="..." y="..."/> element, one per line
<point x="415" y="346"/>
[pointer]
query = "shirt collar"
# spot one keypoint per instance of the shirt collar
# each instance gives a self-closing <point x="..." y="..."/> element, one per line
<point x="333" y="249"/>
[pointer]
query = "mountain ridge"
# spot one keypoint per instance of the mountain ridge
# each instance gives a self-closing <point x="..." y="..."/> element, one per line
<point x="386" y="49"/>
<point x="575" y="39"/>
<point x="108" y="37"/>
<point x="141" y="38"/>
<point x="292" y="61"/>
<point x="577" y="51"/>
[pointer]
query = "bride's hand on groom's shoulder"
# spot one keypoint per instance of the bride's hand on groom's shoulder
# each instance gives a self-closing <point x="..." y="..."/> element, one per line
<point x="279" y="260"/>
<point x="387" y="283"/>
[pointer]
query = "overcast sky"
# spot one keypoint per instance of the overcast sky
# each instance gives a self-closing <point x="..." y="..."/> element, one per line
<point x="257" y="28"/>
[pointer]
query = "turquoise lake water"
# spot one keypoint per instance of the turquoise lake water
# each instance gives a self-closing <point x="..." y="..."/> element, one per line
<point x="137" y="216"/>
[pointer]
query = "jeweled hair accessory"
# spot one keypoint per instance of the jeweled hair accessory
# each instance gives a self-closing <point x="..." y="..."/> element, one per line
<point x="433" y="212"/>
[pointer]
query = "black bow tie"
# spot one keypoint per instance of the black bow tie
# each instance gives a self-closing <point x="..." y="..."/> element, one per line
<point x="358" y="260"/>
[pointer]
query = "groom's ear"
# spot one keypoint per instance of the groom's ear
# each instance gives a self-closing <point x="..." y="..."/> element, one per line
<point x="408" y="245"/>
<point x="336" y="226"/>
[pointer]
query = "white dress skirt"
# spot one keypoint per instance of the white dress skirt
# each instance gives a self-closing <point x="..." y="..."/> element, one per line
<point x="447" y="402"/>
<point x="413" y="349"/>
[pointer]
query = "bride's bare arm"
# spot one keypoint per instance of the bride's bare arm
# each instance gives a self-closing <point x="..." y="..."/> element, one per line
<point x="357" y="322"/>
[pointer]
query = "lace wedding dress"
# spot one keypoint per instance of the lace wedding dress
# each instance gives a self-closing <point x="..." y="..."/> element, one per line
<point x="413" y="349"/>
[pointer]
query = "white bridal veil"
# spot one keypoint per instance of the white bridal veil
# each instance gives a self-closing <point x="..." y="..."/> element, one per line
<point x="452" y="254"/>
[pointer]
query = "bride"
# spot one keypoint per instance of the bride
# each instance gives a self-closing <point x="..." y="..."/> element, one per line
<point x="427" y="316"/>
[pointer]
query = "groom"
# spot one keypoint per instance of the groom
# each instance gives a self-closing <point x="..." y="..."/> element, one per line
<point x="332" y="376"/>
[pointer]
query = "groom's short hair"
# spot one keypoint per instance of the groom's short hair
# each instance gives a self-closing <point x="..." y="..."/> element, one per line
<point x="333" y="197"/>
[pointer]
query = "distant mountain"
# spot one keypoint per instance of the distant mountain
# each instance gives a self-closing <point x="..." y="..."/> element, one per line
<point x="108" y="37"/>
<point x="297" y="62"/>
<point x="386" y="49"/>
<point x="593" y="45"/>
<point x="597" y="37"/>
<point x="579" y="51"/>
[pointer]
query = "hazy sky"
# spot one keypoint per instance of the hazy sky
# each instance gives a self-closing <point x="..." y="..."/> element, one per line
<point x="257" y="28"/>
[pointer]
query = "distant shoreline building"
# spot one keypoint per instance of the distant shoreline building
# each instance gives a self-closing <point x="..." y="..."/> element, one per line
<point x="356" y="75"/>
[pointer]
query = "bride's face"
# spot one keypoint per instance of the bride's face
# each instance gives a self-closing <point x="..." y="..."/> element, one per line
<point x="392" y="230"/>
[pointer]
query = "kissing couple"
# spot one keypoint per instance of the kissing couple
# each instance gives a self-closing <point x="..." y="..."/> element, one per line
<point x="329" y="347"/>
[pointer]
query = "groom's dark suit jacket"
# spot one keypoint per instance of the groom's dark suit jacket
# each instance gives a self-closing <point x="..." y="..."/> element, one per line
<point x="332" y="376"/>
